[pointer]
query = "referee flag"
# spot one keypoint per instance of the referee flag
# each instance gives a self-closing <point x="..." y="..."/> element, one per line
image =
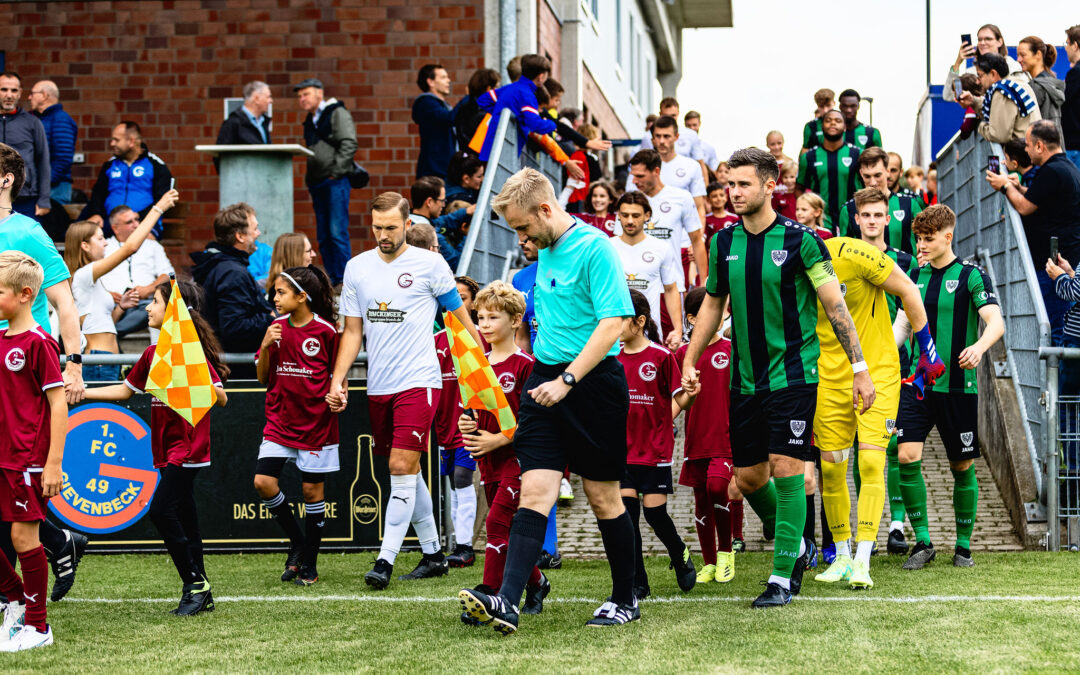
<point x="179" y="375"/>
<point x="480" y="388"/>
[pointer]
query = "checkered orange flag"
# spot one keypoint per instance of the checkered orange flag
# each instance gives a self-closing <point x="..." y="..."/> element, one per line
<point x="179" y="375"/>
<point x="480" y="388"/>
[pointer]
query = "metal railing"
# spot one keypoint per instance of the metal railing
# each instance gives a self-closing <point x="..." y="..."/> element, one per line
<point x="1063" y="462"/>
<point x="998" y="242"/>
<point x="491" y="246"/>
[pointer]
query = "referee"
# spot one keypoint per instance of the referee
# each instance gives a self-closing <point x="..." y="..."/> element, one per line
<point x="573" y="410"/>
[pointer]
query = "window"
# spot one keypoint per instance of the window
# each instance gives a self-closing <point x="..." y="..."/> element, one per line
<point x="618" y="32"/>
<point x="633" y="56"/>
<point x="595" y="7"/>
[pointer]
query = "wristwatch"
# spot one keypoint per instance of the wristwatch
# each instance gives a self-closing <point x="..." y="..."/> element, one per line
<point x="568" y="378"/>
<point x="75" y="358"/>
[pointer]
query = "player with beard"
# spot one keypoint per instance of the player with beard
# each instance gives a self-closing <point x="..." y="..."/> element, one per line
<point x="875" y="173"/>
<point x="830" y="169"/>
<point x="775" y="272"/>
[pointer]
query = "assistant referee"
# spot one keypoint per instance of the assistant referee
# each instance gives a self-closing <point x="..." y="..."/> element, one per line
<point x="574" y="406"/>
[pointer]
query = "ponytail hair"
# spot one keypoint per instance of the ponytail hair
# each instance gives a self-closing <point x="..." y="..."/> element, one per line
<point x="316" y="285"/>
<point x="692" y="302"/>
<point x="642" y="308"/>
<point x="193" y="296"/>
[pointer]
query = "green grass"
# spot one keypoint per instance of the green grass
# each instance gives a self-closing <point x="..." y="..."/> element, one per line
<point x="716" y="631"/>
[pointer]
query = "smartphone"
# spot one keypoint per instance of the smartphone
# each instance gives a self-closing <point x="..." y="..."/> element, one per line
<point x="958" y="88"/>
<point x="172" y="181"/>
<point x="1054" y="249"/>
<point x="965" y="38"/>
<point x="993" y="164"/>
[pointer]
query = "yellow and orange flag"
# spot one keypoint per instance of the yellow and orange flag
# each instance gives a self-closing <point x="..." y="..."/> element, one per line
<point x="480" y="388"/>
<point x="179" y="375"/>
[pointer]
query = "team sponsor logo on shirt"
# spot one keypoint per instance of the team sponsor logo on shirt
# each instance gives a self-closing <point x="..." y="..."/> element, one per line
<point x="138" y="171"/>
<point x="720" y="360"/>
<point x="115" y="173"/>
<point x="983" y="295"/>
<point x="797" y="427"/>
<point x="730" y="258"/>
<point x="951" y="285"/>
<point x="15" y="360"/>
<point x="383" y="314"/>
<point x="405" y="280"/>
<point x="680" y="172"/>
<point x="967" y="437"/>
<point x="779" y="257"/>
<point x="846" y="161"/>
<point x="311" y="346"/>
<point x="637" y="284"/>
<point x="665" y="207"/>
<point x="648" y="256"/>
<point x="647" y="371"/>
<point x="507" y="382"/>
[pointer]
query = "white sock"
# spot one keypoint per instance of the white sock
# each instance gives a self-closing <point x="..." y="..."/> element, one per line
<point x="863" y="550"/>
<point x="423" y="518"/>
<point x="896" y="525"/>
<point x="843" y="547"/>
<point x="802" y="546"/>
<point x="780" y="581"/>
<point x="464" y="515"/>
<point x="399" y="511"/>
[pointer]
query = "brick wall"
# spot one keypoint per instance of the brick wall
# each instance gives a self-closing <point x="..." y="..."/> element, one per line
<point x="167" y="64"/>
<point x="549" y="37"/>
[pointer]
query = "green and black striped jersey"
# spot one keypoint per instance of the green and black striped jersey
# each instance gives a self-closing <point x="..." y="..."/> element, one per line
<point x="772" y="279"/>
<point x="834" y="176"/>
<point x="902" y="211"/>
<point x="906" y="262"/>
<point x="953" y="296"/>
<point x="862" y="136"/>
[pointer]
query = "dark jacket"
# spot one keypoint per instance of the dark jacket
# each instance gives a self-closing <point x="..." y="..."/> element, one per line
<point x="238" y="129"/>
<point x="62" y="133"/>
<point x="25" y="133"/>
<point x="138" y="186"/>
<point x="333" y="140"/>
<point x="1070" y="109"/>
<point x="467" y="118"/>
<point x="435" y="118"/>
<point x="235" y="306"/>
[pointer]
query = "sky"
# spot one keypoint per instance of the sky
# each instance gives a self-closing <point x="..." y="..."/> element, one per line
<point x="762" y="73"/>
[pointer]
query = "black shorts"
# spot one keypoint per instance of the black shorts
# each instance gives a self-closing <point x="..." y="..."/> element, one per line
<point x="778" y="423"/>
<point x="956" y="417"/>
<point x="648" y="480"/>
<point x="585" y="431"/>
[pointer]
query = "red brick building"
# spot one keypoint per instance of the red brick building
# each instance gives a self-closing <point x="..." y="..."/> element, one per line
<point x="167" y="64"/>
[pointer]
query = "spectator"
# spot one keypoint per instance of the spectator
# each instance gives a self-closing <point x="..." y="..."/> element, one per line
<point x="99" y="310"/>
<point x="1048" y="207"/>
<point x="259" y="262"/>
<point x="989" y="42"/>
<point x="1018" y="162"/>
<point x="774" y="141"/>
<point x="1009" y="106"/>
<point x="1037" y="58"/>
<point x="435" y="117"/>
<point x="824" y="100"/>
<point x="513" y="69"/>
<point x="329" y="131"/>
<point x="931" y="187"/>
<point x="292" y="249"/>
<point x="61" y="132"/>
<point x="970" y="84"/>
<point x="1070" y="108"/>
<point x="250" y="124"/>
<point x="855" y="132"/>
<point x="24" y="132"/>
<point x="572" y="135"/>
<point x="520" y="98"/>
<point x="470" y="117"/>
<point x="575" y="193"/>
<point x="134" y="177"/>
<point x="914" y="179"/>
<point x="465" y="175"/>
<point x="428" y="195"/>
<point x="235" y="305"/>
<point x="146" y="267"/>
<point x="692" y="121"/>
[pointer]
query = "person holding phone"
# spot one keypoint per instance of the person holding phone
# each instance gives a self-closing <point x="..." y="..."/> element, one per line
<point x="988" y="41"/>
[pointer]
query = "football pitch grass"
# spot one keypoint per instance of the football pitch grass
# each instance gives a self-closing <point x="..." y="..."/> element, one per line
<point x="1013" y="611"/>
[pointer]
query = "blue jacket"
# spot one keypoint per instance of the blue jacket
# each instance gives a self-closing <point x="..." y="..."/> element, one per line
<point x="524" y="281"/>
<point x="62" y="133"/>
<point x="138" y="186"/>
<point x="437" y="143"/>
<point x="520" y="98"/>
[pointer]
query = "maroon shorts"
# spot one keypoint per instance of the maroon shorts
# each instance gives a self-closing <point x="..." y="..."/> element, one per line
<point x="20" y="496"/>
<point x="402" y="420"/>
<point x="696" y="472"/>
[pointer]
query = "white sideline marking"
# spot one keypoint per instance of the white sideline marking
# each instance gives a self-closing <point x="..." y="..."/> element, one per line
<point x="911" y="599"/>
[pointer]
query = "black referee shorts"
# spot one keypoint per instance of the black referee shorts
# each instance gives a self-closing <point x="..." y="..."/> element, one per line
<point x="585" y="431"/>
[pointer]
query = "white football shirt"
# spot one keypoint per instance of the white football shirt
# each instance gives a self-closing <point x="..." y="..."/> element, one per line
<point x="681" y="172"/>
<point x="398" y="302"/>
<point x="674" y="216"/>
<point x="649" y="265"/>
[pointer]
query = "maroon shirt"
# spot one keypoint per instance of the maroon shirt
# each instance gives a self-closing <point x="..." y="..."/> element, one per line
<point x="784" y="203"/>
<point x="172" y="439"/>
<point x="512" y="373"/>
<point x="31" y="366"/>
<point x="653" y="378"/>
<point x="714" y="224"/>
<point x="604" y="222"/>
<point x="449" y="407"/>
<point x="707" y="419"/>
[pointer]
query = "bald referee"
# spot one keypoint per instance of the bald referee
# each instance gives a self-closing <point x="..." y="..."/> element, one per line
<point x="574" y="406"/>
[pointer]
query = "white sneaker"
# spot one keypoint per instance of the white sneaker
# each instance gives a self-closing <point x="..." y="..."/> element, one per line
<point x="566" y="493"/>
<point x="28" y="638"/>
<point x="13" y="620"/>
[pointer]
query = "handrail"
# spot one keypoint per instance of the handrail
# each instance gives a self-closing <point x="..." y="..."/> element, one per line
<point x="483" y="200"/>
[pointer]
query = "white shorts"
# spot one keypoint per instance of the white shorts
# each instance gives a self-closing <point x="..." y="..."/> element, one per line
<point x="312" y="461"/>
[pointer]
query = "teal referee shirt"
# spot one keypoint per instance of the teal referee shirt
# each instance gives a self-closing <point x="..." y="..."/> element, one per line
<point x="579" y="281"/>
